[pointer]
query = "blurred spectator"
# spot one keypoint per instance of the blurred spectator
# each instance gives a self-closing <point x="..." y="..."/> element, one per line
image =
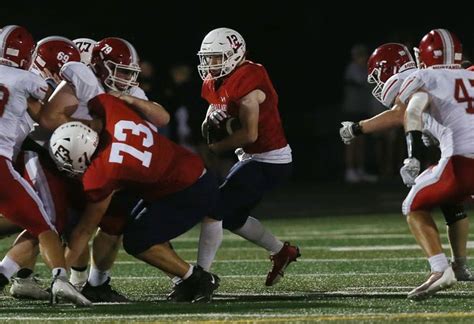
<point x="357" y="105"/>
<point x="150" y="84"/>
<point x="182" y="96"/>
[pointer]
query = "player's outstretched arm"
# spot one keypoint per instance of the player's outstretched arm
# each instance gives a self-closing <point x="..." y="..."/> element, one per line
<point x="381" y="122"/>
<point x="152" y="111"/>
<point x="82" y="233"/>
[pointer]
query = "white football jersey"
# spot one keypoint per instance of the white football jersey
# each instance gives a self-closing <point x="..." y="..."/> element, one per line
<point x="392" y="86"/>
<point x="451" y="94"/>
<point x="444" y="135"/>
<point x="86" y="86"/>
<point x="16" y="86"/>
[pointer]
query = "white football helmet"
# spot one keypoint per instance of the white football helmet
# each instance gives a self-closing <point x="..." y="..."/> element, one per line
<point x="85" y="46"/>
<point x="221" y="51"/>
<point x="71" y="147"/>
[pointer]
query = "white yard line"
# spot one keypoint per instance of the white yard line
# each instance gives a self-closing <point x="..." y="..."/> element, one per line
<point x="299" y="260"/>
<point x="329" y="274"/>
<point x="254" y="317"/>
<point x="470" y="245"/>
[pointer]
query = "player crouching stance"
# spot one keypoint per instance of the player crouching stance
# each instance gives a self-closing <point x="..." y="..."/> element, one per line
<point x="439" y="88"/>
<point x="173" y="189"/>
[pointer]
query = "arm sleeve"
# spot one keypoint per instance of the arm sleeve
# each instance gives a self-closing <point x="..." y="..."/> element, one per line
<point x="411" y="85"/>
<point x="390" y="91"/>
<point x="36" y="86"/>
<point x="138" y="93"/>
<point x="82" y="79"/>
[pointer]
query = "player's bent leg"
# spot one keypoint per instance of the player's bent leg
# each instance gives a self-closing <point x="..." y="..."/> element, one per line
<point x="458" y="232"/>
<point x="53" y="255"/>
<point x="21" y="205"/>
<point x="210" y="239"/>
<point x="104" y="252"/>
<point x="426" y="234"/>
<point x="25" y="284"/>
<point x="79" y="272"/>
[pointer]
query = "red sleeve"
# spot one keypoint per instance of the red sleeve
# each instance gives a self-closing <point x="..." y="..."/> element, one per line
<point x="248" y="78"/>
<point x="98" y="184"/>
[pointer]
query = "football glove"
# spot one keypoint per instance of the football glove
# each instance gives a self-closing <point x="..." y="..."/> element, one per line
<point x="409" y="171"/>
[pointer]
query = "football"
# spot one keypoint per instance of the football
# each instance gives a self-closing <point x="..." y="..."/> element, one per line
<point x="225" y="128"/>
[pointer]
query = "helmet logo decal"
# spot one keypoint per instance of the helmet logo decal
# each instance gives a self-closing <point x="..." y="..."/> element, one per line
<point x="63" y="57"/>
<point x="234" y="42"/>
<point x="107" y="49"/>
<point x="63" y="153"/>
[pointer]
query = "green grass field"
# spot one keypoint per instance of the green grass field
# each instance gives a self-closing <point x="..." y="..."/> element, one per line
<point x="353" y="268"/>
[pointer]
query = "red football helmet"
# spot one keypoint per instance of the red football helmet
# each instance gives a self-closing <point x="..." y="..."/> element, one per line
<point x="387" y="60"/>
<point x="115" y="62"/>
<point x="439" y="47"/>
<point x="53" y="52"/>
<point x="16" y="46"/>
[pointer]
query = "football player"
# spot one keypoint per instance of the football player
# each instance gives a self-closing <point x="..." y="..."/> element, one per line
<point x="50" y="54"/>
<point x="388" y="66"/>
<point x="114" y="68"/>
<point x="21" y="96"/>
<point x="238" y="88"/>
<point x="441" y="88"/>
<point x="174" y="189"/>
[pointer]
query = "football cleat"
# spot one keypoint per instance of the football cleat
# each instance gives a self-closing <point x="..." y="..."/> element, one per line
<point x="198" y="288"/>
<point x="61" y="288"/>
<point x="103" y="293"/>
<point x="436" y="281"/>
<point x="280" y="261"/>
<point x="462" y="272"/>
<point x="28" y="288"/>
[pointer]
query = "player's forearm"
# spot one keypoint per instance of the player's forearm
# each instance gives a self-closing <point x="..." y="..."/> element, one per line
<point x="53" y="121"/>
<point x="78" y="242"/>
<point x="152" y="111"/>
<point x="383" y="121"/>
<point x="240" y="138"/>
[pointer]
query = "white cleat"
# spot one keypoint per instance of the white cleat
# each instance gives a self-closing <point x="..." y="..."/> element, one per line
<point x="61" y="288"/>
<point x="436" y="281"/>
<point x="28" y="288"/>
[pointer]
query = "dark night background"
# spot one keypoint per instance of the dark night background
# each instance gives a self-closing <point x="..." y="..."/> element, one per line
<point x="305" y="50"/>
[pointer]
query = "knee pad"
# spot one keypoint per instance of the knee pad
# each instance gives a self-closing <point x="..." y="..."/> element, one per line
<point x="453" y="213"/>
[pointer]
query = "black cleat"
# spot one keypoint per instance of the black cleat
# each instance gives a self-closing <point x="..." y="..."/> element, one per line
<point x="103" y="293"/>
<point x="198" y="288"/>
<point x="3" y="281"/>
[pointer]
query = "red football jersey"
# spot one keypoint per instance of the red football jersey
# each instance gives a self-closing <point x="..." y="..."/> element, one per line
<point x="244" y="79"/>
<point x="132" y="155"/>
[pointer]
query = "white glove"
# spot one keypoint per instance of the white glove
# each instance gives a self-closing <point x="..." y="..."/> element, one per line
<point x="347" y="135"/>
<point x="428" y="139"/>
<point x="217" y="116"/>
<point x="409" y="171"/>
